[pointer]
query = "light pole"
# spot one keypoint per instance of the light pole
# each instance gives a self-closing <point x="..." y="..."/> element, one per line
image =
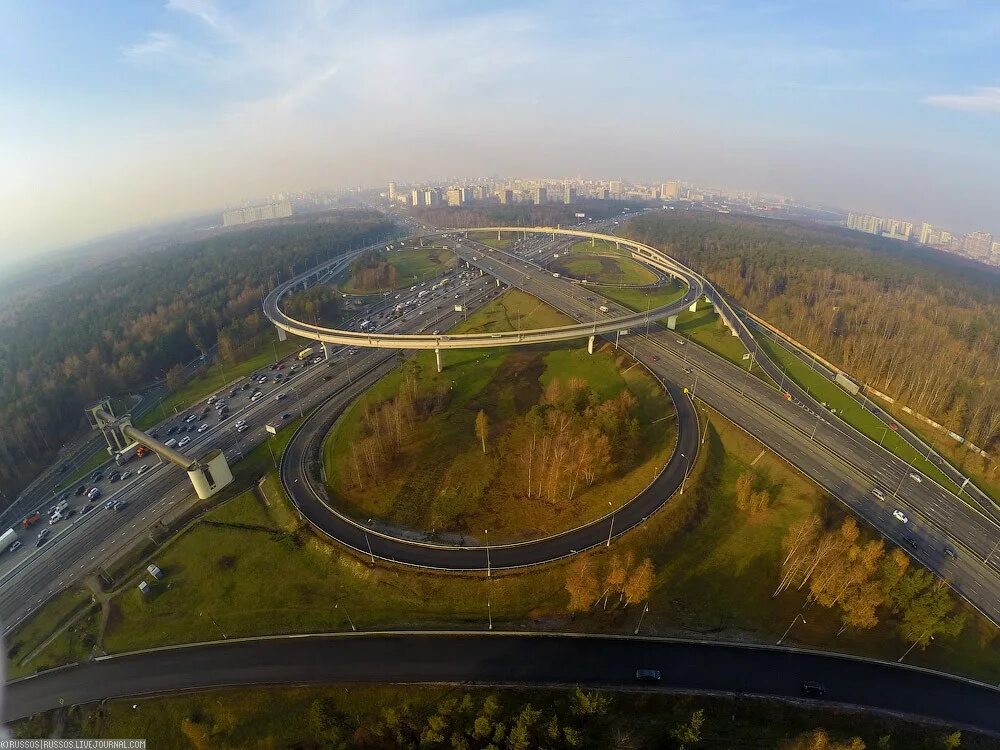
<point x="798" y="615"/>
<point x="641" y="615"/>
<point x="992" y="552"/>
<point x="612" y="526"/>
<point x="489" y="607"/>
<point x="884" y="433"/>
<point x="370" y="553"/>
<point x="488" y="571"/>
<point x="687" y="468"/>
<point x="337" y="606"/>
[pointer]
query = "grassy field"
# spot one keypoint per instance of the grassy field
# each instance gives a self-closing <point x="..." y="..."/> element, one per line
<point x="604" y="269"/>
<point x="216" y="377"/>
<point x="52" y="615"/>
<point x="490" y="239"/>
<point x="598" y="246"/>
<point x="283" y="717"/>
<point x="852" y="412"/>
<point x="413" y="266"/>
<point x="645" y="299"/>
<point x="444" y="483"/>
<point x="705" y="328"/>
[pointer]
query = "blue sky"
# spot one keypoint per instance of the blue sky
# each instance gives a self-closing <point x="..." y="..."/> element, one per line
<point x="121" y="113"/>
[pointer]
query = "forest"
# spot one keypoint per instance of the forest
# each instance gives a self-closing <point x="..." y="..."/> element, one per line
<point x="521" y="214"/>
<point x="125" y="323"/>
<point x="916" y="324"/>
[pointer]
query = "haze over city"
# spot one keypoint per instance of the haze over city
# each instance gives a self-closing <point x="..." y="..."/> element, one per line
<point x="125" y="113"/>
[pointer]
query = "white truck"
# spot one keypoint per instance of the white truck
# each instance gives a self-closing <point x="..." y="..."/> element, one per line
<point x="7" y="539"/>
<point x="603" y="308"/>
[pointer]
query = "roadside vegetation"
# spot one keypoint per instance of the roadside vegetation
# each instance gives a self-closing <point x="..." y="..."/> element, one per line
<point x="914" y="323"/>
<point x="392" y="717"/>
<point x="641" y="300"/>
<point x="385" y="270"/>
<point x="522" y="441"/>
<point x="854" y="413"/>
<point x="128" y="321"/>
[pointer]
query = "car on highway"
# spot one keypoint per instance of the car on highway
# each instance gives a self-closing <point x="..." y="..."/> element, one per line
<point x="144" y="469"/>
<point x="109" y="505"/>
<point x="280" y="397"/>
<point x="80" y="490"/>
<point x="243" y="428"/>
<point x="184" y="441"/>
<point x="94" y="493"/>
<point x="126" y="475"/>
<point x="86" y="509"/>
<point x="813" y="689"/>
<point x="879" y="495"/>
<point x="648" y="675"/>
<point x="949" y="551"/>
<point x="171" y="442"/>
<point x="912" y="541"/>
<point x="202" y="428"/>
<point x="15" y="546"/>
<point x="900" y="516"/>
<point x="916" y="477"/>
<point x="43" y="534"/>
<point x="655" y="358"/>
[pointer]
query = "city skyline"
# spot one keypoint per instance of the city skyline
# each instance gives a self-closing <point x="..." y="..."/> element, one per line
<point x="139" y="114"/>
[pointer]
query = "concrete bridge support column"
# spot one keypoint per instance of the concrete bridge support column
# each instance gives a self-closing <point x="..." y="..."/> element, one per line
<point x="590" y="344"/>
<point x="498" y="235"/>
<point x="498" y="282"/>
<point x="282" y="336"/>
<point x="672" y="322"/>
<point x="327" y="349"/>
<point x="694" y="306"/>
<point x="437" y="354"/>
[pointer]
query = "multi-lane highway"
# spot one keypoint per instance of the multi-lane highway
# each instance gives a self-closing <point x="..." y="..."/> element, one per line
<point x="86" y="542"/>
<point x="731" y="670"/>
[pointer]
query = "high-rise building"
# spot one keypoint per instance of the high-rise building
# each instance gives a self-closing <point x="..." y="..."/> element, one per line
<point x="602" y="193"/>
<point x="454" y="196"/>
<point x="392" y="192"/>
<point x="432" y="197"/>
<point x="465" y="195"/>
<point x="279" y="209"/>
<point x="569" y="194"/>
<point x="615" y="189"/>
<point x="978" y="245"/>
<point x="669" y="191"/>
<point x="540" y="196"/>
<point x="506" y="195"/>
<point x="926" y="232"/>
<point x="897" y="229"/>
<point x="480" y="192"/>
<point x="417" y="197"/>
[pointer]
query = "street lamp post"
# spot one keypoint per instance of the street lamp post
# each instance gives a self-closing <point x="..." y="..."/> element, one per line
<point x="641" y="615"/>
<point x="612" y="526"/>
<point x="488" y="571"/>
<point x="798" y="615"/>
<point x="687" y="468"/>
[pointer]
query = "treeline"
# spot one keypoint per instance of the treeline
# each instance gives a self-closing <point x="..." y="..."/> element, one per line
<point x="128" y="322"/>
<point x="837" y="568"/>
<point x="372" y="272"/>
<point x="572" y="438"/>
<point x="913" y="323"/>
<point x="520" y="214"/>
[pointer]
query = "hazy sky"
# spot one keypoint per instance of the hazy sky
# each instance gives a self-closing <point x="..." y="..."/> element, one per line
<point x="118" y="113"/>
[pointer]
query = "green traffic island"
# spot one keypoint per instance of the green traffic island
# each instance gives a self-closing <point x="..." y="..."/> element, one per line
<point x="379" y="271"/>
<point x="610" y="269"/>
<point x="517" y="443"/>
<point x="394" y="717"/>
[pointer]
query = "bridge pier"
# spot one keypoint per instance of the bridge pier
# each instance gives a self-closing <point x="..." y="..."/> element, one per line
<point x="590" y="344"/>
<point x="327" y="349"/>
<point x="282" y="336"/>
<point x="694" y="306"/>
<point x="498" y="235"/>
<point x="437" y="354"/>
<point x="672" y="322"/>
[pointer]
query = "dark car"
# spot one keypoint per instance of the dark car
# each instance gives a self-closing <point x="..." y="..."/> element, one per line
<point x="96" y="477"/>
<point x="286" y="415"/>
<point x="328" y="377"/>
<point x="647" y="675"/>
<point x="80" y="490"/>
<point x="950" y="552"/>
<point x="813" y="689"/>
<point x="912" y="541"/>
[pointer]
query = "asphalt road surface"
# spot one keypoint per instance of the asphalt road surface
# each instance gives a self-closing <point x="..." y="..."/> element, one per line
<point x="512" y="659"/>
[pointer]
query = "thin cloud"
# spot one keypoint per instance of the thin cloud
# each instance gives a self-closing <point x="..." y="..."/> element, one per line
<point x="983" y="99"/>
<point x="155" y="43"/>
